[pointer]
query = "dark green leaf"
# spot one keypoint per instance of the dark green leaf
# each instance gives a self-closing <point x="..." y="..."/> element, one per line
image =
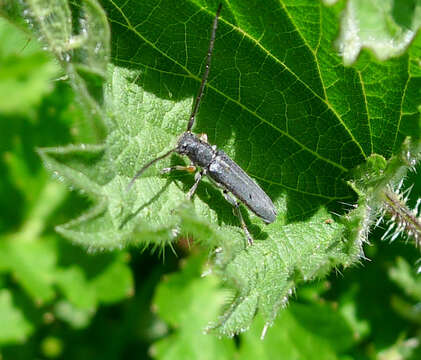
<point x="279" y="101"/>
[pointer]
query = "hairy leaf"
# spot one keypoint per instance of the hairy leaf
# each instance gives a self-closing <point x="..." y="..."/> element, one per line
<point x="387" y="27"/>
<point x="279" y="101"/>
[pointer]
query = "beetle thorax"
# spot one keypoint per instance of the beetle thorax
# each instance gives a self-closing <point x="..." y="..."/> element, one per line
<point x="198" y="151"/>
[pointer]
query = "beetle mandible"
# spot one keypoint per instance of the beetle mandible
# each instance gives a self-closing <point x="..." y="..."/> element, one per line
<point x="216" y="164"/>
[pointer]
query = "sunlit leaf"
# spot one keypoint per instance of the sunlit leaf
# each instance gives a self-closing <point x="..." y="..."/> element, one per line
<point x="279" y="101"/>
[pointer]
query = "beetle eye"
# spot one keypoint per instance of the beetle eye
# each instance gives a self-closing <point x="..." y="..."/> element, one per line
<point x="182" y="148"/>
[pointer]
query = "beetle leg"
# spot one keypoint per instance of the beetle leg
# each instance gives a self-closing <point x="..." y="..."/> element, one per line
<point x="197" y="177"/>
<point x="190" y="169"/>
<point x="236" y="205"/>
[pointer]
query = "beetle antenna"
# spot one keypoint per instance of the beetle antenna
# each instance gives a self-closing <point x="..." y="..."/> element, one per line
<point x="140" y="172"/>
<point x="206" y="73"/>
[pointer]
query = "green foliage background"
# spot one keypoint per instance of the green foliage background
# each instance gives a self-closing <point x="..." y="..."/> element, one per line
<point x="278" y="95"/>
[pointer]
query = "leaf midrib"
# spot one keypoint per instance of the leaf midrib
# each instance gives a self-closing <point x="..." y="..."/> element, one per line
<point x="130" y="27"/>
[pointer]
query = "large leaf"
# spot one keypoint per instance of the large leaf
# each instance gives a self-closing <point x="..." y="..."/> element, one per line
<point x="279" y="101"/>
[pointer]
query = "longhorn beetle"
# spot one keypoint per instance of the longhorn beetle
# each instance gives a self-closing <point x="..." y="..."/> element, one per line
<point x="225" y="173"/>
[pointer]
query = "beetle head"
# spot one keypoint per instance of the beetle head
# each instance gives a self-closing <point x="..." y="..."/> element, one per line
<point x="199" y="152"/>
<point x="186" y="143"/>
